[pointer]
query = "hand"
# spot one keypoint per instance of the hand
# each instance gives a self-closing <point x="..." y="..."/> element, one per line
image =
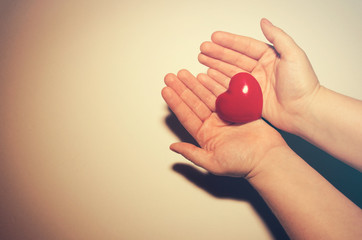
<point x="232" y="150"/>
<point x="285" y="75"/>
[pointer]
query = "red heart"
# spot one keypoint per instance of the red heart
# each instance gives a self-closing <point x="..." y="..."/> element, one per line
<point x="242" y="102"/>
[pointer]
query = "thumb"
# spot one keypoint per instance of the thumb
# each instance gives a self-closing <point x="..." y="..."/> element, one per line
<point x="197" y="155"/>
<point x="282" y="42"/>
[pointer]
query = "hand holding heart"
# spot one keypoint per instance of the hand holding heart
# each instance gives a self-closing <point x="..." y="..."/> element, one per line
<point x="225" y="149"/>
<point x="283" y="71"/>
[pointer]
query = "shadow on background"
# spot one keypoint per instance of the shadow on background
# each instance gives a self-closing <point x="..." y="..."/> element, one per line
<point x="176" y="127"/>
<point x="343" y="177"/>
<point x="232" y="188"/>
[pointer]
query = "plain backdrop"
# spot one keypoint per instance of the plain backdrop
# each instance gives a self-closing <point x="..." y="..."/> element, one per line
<point x="84" y="131"/>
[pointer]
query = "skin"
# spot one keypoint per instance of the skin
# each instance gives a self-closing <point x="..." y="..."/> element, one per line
<point x="307" y="205"/>
<point x="294" y="101"/>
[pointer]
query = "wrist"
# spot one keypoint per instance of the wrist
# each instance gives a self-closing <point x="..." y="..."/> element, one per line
<point x="270" y="162"/>
<point x="305" y="120"/>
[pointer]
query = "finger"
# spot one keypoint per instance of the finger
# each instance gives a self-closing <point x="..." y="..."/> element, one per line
<point x="185" y="115"/>
<point x="211" y="84"/>
<point x="197" y="155"/>
<point x="198" y="89"/>
<point x="245" y="45"/>
<point x="282" y="42"/>
<point x="229" y="56"/>
<point x="188" y="97"/>
<point x="225" y="68"/>
<point x="219" y="77"/>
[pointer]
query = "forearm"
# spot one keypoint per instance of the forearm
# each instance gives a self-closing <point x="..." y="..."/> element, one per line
<point x="334" y="123"/>
<point x="307" y="205"/>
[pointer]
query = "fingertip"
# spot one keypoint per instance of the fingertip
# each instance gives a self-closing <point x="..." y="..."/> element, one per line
<point x="178" y="147"/>
<point x="188" y="151"/>
<point x="217" y="35"/>
<point x="212" y="73"/>
<point x="172" y="148"/>
<point x="282" y="42"/>
<point x="201" y="58"/>
<point x="166" y="92"/>
<point x="168" y="78"/>
<point x="265" y="25"/>
<point x="205" y="47"/>
<point x="201" y="76"/>
<point x="183" y="73"/>
<point x="265" y="22"/>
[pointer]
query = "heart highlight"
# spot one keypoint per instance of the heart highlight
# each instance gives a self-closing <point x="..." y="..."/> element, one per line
<point x="242" y="102"/>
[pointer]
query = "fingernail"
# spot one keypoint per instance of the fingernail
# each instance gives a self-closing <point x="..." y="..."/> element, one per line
<point x="267" y="22"/>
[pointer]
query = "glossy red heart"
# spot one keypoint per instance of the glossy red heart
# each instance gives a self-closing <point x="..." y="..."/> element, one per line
<point x="242" y="102"/>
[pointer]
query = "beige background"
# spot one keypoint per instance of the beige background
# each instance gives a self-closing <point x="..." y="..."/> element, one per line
<point x="84" y="132"/>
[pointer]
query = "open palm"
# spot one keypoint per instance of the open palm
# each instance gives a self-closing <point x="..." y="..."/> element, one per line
<point x="233" y="150"/>
<point x="284" y="73"/>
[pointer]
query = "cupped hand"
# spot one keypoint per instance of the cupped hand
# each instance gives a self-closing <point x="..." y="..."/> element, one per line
<point x="225" y="149"/>
<point x="283" y="71"/>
